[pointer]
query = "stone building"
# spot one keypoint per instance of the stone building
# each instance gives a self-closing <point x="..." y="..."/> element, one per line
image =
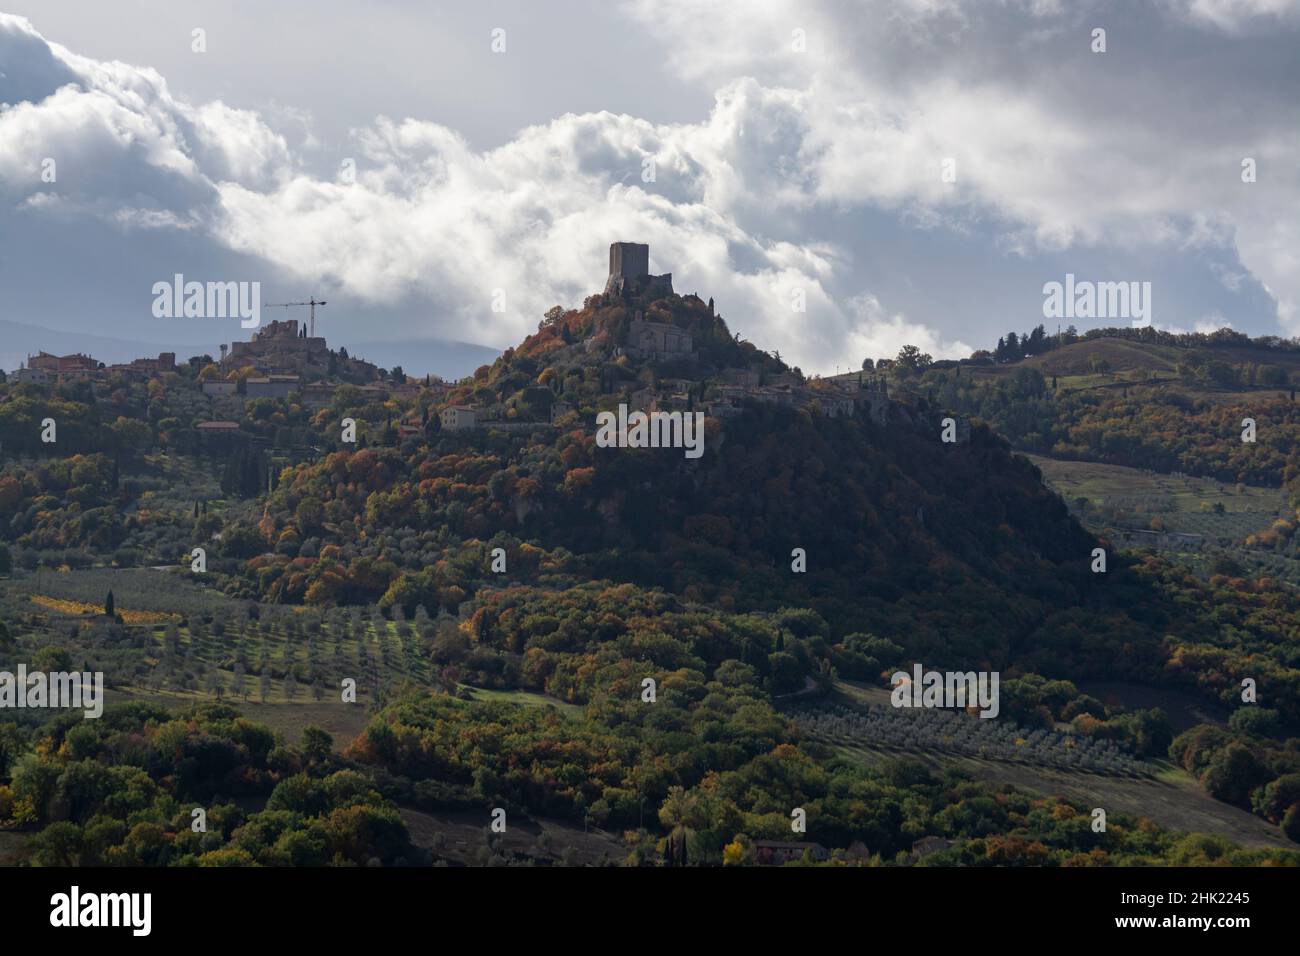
<point x="62" y="364"/>
<point x="629" y="271"/>
<point x="742" y="377"/>
<point x="639" y="399"/>
<point x="279" y="346"/>
<point x="773" y="395"/>
<point x="318" y="394"/>
<point x="145" y="367"/>
<point x="46" y="368"/>
<point x="877" y="404"/>
<point x="271" y="386"/>
<point x="458" y="417"/>
<point x="659" y="341"/>
<point x="836" y="406"/>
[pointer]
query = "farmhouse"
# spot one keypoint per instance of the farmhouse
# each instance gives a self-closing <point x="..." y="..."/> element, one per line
<point x="459" y="418"/>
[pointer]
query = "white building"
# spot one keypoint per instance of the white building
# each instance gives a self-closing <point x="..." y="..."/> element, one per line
<point x="457" y="417"/>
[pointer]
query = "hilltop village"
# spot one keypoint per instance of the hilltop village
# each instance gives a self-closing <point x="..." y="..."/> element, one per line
<point x="637" y="342"/>
<point x="642" y="343"/>
<point x="278" y="360"/>
<point x="282" y="518"/>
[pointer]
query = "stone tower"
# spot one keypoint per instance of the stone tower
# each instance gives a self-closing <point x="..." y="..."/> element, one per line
<point x="629" y="271"/>
<point x="629" y="260"/>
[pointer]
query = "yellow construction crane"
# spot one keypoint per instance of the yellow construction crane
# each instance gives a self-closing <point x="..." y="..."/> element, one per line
<point x="313" y="302"/>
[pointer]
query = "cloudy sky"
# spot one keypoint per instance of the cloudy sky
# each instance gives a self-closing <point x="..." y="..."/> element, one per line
<point x="797" y="148"/>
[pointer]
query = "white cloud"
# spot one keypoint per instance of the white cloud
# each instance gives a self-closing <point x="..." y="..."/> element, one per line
<point x="1060" y="146"/>
<point x="1055" y="149"/>
<point x="1204" y="325"/>
<point x="432" y="219"/>
<point x="1232" y="15"/>
<point x="875" y="334"/>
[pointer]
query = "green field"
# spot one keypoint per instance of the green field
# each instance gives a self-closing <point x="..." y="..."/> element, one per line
<point x="1131" y="363"/>
<point x="1119" y="497"/>
<point x="192" y="643"/>
<point x="524" y="698"/>
<point x="183" y="644"/>
<point x="1171" y="797"/>
<point x="341" y="721"/>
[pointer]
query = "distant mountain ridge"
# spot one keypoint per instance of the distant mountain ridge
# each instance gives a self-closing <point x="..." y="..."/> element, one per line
<point x="418" y="357"/>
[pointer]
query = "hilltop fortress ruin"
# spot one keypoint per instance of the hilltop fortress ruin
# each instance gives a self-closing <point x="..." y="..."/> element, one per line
<point x="721" y="392"/>
<point x="629" y="277"/>
<point x="279" y="346"/>
<point x="629" y="271"/>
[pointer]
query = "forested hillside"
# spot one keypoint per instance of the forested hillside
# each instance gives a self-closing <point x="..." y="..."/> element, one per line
<point x="1220" y="406"/>
<point x="502" y="596"/>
